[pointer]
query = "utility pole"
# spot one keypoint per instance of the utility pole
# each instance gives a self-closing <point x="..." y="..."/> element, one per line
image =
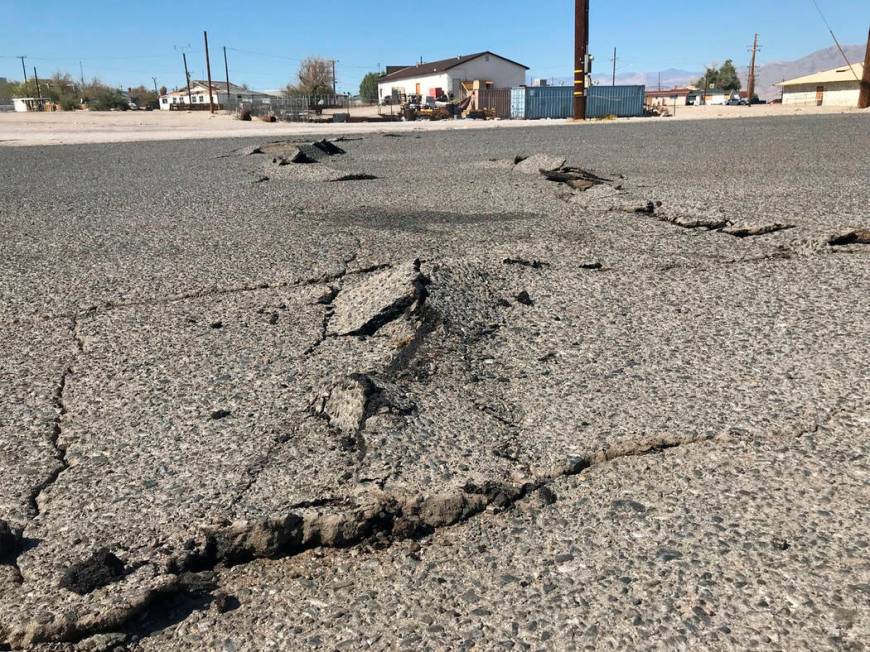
<point x="333" y="79"/>
<point x="187" y="79"/>
<point x="156" y="92"/>
<point x="614" y="67"/>
<point x="36" y="77"/>
<point x="208" y="68"/>
<point x="581" y="51"/>
<point x="750" y="91"/>
<point x="227" y="71"/>
<point x="82" y="73"/>
<point x="660" y="81"/>
<point x="864" y="95"/>
<point x="24" y="70"/>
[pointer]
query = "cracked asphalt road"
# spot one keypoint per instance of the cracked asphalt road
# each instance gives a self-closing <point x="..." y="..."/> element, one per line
<point x="248" y="405"/>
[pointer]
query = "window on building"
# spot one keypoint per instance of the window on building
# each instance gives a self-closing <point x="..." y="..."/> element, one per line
<point x="175" y="100"/>
<point x="164" y="100"/>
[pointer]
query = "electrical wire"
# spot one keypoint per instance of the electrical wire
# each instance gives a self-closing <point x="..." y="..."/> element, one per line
<point x="839" y="47"/>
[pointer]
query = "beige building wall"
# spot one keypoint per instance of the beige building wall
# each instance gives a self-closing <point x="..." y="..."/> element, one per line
<point x="833" y="94"/>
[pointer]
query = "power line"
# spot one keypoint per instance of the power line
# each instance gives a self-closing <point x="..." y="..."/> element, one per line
<point x="839" y="47"/>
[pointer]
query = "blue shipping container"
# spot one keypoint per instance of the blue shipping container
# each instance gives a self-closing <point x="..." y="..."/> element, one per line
<point x="549" y="102"/>
<point x="518" y="103"/>
<point x="558" y="102"/>
<point x="621" y="101"/>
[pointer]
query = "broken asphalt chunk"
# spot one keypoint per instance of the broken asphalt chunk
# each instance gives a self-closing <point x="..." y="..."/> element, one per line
<point x="355" y="177"/>
<point x="10" y="541"/>
<point x="747" y="230"/>
<point x="378" y="300"/>
<point x="328" y="147"/>
<point x="575" y="178"/>
<point x="350" y="402"/>
<point x="524" y="298"/>
<point x="217" y="415"/>
<point x="534" y="264"/>
<point x="857" y="236"/>
<point x="710" y="223"/>
<point x="539" y="163"/>
<point x="98" y="570"/>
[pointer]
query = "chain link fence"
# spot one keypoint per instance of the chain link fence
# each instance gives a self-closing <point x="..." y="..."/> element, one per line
<point x="301" y="108"/>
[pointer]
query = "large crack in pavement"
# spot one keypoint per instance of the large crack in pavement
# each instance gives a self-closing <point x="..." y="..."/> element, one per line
<point x="385" y="518"/>
<point x="59" y="404"/>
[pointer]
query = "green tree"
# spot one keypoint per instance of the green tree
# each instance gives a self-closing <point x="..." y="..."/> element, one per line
<point x="729" y="80"/>
<point x="710" y="78"/>
<point x="368" y="88"/>
<point x="724" y="77"/>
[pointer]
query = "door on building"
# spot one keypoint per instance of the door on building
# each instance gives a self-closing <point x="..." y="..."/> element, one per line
<point x="418" y="90"/>
<point x="820" y="95"/>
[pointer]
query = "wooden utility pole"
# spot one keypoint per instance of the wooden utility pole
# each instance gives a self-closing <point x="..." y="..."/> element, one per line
<point x="24" y="70"/>
<point x="614" y="68"/>
<point x="227" y="71"/>
<point x="864" y="95"/>
<point x="187" y="80"/>
<point x="156" y="92"/>
<point x="208" y="69"/>
<point x="751" y="89"/>
<point x="334" y="87"/>
<point x="36" y="77"/>
<point x="581" y="50"/>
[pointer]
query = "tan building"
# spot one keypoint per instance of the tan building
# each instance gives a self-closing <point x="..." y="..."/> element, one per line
<point x="668" y="97"/>
<point x="835" y="87"/>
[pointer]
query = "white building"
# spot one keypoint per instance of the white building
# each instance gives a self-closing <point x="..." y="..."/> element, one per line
<point x="199" y="95"/>
<point x="446" y="77"/>
<point x="24" y="104"/>
<point x="835" y="87"/>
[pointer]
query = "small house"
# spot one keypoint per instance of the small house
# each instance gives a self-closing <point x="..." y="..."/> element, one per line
<point x="453" y="77"/>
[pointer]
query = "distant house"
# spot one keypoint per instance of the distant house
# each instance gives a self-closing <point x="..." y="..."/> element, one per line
<point x="834" y="87"/>
<point x="679" y="96"/>
<point x="178" y="100"/>
<point x="711" y="97"/>
<point x="452" y="76"/>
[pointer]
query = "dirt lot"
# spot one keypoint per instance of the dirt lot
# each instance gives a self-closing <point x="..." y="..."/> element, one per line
<point x="91" y="127"/>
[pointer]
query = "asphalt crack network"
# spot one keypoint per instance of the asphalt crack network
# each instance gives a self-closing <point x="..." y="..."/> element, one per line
<point x="387" y="518"/>
<point x="59" y="451"/>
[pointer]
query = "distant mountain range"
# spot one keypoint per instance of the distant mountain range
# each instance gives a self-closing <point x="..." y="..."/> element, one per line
<point x="766" y="74"/>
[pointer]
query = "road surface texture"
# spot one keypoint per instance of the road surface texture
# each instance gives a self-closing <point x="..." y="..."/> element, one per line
<point x="418" y="396"/>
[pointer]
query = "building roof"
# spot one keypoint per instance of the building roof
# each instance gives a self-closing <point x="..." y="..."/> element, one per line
<point x="437" y="67"/>
<point x="842" y="74"/>
<point x="219" y="86"/>
<point x="669" y="92"/>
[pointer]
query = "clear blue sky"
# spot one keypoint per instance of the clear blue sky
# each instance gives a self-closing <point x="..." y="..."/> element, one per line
<point x="127" y="42"/>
